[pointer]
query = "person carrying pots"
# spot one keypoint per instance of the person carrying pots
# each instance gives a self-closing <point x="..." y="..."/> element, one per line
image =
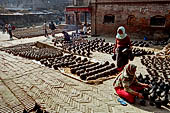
<point x="122" y="49"/>
<point x="126" y="84"/>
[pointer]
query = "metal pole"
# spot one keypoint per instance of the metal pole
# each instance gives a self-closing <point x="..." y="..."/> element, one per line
<point x="85" y="18"/>
<point x="76" y="22"/>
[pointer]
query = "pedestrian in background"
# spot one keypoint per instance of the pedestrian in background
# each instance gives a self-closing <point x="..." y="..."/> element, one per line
<point x="45" y="29"/>
<point x="52" y="27"/>
<point x="3" y="28"/>
<point x="85" y="29"/>
<point x="6" y="27"/>
<point x="66" y="36"/>
<point x="10" y="31"/>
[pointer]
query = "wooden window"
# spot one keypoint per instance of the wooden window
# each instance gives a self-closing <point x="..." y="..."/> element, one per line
<point x="108" y="19"/>
<point x="157" y="20"/>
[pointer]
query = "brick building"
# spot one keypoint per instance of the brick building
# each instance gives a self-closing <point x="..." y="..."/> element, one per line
<point x="141" y="18"/>
<point x="78" y="9"/>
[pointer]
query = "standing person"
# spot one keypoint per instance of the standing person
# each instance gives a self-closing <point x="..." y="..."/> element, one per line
<point x="84" y="29"/>
<point x="52" y="27"/>
<point x="6" y="27"/>
<point x="127" y="86"/>
<point x="45" y="29"/>
<point x="10" y="31"/>
<point x="122" y="44"/>
<point x="3" y="28"/>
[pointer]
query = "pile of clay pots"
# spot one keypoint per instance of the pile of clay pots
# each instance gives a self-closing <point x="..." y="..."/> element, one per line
<point x="80" y="49"/>
<point x="164" y="42"/>
<point x="85" y="48"/>
<point x="36" y="109"/>
<point x="140" y="52"/>
<point x="56" y="41"/>
<point x="30" y="51"/>
<point x="101" y="46"/>
<point x="157" y="93"/>
<point x="140" y="43"/>
<point x="157" y="66"/>
<point x="148" y="44"/>
<point x="81" y="66"/>
<point x="93" y="71"/>
<point x="61" y="61"/>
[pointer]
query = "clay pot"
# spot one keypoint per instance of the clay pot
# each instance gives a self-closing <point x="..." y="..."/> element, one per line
<point x="89" y="69"/>
<point x="88" y="54"/>
<point x="158" y="103"/>
<point x="142" y="102"/>
<point x="55" y="66"/>
<point x="107" y="73"/>
<point x="113" y="71"/>
<point x="152" y="95"/>
<point x="83" y="76"/>
<point x="93" y="77"/>
<point x="151" y="103"/>
<point x="164" y="100"/>
<point x="73" y="70"/>
<point x="85" y="60"/>
<point x="80" y="71"/>
<point x="108" y="67"/>
<point x="91" y="72"/>
<point x="25" y="111"/>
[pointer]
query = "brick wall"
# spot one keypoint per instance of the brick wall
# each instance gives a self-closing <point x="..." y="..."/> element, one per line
<point x="26" y="20"/>
<point x="140" y="23"/>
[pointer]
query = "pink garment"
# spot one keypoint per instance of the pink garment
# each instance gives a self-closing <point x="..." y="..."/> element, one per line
<point x="128" y="96"/>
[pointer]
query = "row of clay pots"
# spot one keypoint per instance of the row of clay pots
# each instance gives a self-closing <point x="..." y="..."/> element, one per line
<point x="79" y="52"/>
<point x="141" y="52"/>
<point x="100" y="46"/>
<point x="64" y="61"/>
<point x="91" y="45"/>
<point x="164" y="42"/>
<point x="31" y="52"/>
<point x="149" y="43"/>
<point x="88" y="71"/>
<point x="140" y="43"/>
<point x="82" y="67"/>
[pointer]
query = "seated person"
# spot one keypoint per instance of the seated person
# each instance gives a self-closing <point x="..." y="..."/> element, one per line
<point x="66" y="36"/>
<point x="126" y="84"/>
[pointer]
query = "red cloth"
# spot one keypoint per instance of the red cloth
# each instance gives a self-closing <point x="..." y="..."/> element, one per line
<point x="122" y="43"/>
<point x="128" y="96"/>
<point x="13" y="27"/>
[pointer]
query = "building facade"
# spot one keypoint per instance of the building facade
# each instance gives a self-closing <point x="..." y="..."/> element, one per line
<point x="78" y="12"/>
<point x="139" y="17"/>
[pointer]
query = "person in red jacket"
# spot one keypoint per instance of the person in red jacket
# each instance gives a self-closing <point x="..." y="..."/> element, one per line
<point x="122" y="47"/>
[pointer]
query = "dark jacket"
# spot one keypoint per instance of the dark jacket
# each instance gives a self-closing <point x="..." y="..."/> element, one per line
<point x="66" y="36"/>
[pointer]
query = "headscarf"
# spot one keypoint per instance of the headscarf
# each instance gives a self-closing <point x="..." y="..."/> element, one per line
<point x="122" y="36"/>
<point x="129" y="70"/>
